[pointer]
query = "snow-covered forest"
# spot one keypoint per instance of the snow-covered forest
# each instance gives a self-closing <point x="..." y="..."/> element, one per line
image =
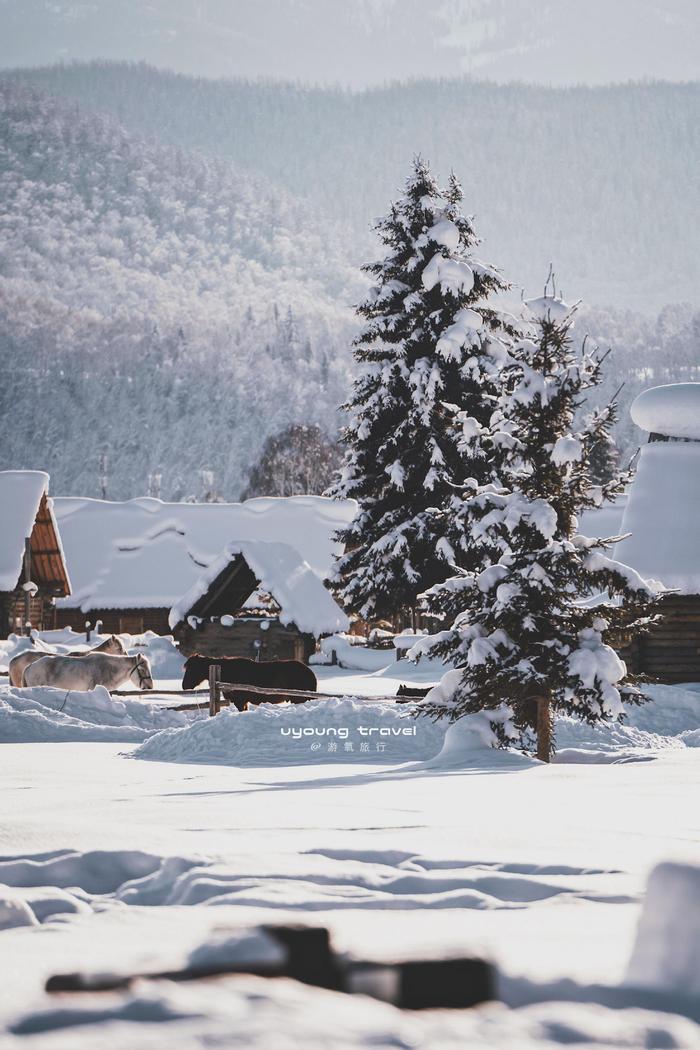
<point x="157" y="305"/>
<point x="597" y="180"/>
<point x="198" y="244"/>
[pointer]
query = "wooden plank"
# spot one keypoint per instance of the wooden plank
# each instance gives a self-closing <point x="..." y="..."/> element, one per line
<point x="668" y="651"/>
<point x="160" y="692"/>
<point x="319" y="696"/>
<point x="238" y="687"/>
<point x="186" y="707"/>
<point x="651" y="664"/>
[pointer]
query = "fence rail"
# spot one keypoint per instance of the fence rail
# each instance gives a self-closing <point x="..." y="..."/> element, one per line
<point x="161" y="692"/>
<point x="225" y="693"/>
<point x="222" y="694"/>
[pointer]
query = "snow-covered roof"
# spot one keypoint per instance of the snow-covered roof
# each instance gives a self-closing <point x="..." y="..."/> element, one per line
<point x="604" y="521"/>
<point x="672" y="410"/>
<point x="663" y="516"/>
<point x="151" y="575"/>
<point x="282" y="573"/>
<point x="97" y="532"/>
<point x="20" y="496"/>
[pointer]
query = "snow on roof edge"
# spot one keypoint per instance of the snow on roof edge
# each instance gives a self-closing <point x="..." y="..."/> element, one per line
<point x="282" y="573"/>
<point x="672" y="409"/>
<point x="18" y="511"/>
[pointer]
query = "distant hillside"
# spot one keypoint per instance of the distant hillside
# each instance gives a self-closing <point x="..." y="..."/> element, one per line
<point x="601" y="181"/>
<point x="155" y="304"/>
<point x="365" y="41"/>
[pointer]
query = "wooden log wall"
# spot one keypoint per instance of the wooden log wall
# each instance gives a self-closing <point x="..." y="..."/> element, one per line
<point x="116" y="621"/>
<point x="277" y="642"/>
<point x="42" y="613"/>
<point x="670" y="651"/>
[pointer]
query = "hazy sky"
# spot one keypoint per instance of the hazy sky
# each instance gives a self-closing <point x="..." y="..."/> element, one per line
<point x="361" y="42"/>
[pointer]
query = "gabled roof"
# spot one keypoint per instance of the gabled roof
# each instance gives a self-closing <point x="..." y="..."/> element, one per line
<point x="26" y="513"/>
<point x="97" y="532"/>
<point x="148" y="575"/>
<point x="278" y="570"/>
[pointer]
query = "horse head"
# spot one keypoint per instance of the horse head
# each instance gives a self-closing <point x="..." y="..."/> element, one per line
<point x="112" y="645"/>
<point x="194" y="672"/>
<point x="141" y="673"/>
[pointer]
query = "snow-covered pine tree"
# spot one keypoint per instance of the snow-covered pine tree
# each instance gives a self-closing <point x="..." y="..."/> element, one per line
<point x="530" y="631"/>
<point x="431" y="348"/>
<point x="604" y="459"/>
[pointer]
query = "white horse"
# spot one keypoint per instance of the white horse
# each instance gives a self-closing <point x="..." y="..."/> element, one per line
<point x="81" y="673"/>
<point x="19" y="663"/>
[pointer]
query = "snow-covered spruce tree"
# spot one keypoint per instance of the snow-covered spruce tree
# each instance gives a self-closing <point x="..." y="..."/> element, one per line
<point x="604" y="459"/>
<point x="431" y="348"/>
<point x="530" y="631"/>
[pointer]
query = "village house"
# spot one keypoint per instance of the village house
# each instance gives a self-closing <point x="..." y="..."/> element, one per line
<point x="662" y="518"/>
<point x="132" y="561"/>
<point x="259" y="600"/>
<point x="33" y="571"/>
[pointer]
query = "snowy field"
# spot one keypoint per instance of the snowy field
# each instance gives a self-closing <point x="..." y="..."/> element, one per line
<point x="131" y="834"/>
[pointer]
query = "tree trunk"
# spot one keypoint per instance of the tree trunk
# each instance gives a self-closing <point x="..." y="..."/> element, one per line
<point x="544" y="729"/>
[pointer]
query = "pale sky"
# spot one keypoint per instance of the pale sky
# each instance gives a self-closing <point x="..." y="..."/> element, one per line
<point x="367" y="42"/>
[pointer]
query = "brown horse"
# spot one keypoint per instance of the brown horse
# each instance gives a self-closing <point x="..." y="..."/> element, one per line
<point x="238" y="670"/>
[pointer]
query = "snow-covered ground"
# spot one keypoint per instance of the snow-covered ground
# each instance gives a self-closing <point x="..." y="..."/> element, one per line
<point x="128" y="850"/>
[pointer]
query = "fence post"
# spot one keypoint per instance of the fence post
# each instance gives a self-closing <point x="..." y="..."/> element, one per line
<point x="27" y="588"/>
<point x="214" y="688"/>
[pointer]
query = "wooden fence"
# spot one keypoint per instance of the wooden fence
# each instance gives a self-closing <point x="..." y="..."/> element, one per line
<point x="225" y="693"/>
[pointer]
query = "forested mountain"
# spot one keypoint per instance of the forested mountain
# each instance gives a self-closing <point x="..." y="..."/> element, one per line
<point x="601" y="181"/>
<point x="155" y="304"/>
<point x="172" y="310"/>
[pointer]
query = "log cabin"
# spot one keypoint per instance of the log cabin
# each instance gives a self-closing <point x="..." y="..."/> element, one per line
<point x="661" y="530"/>
<point x="33" y="571"/>
<point x="258" y="599"/>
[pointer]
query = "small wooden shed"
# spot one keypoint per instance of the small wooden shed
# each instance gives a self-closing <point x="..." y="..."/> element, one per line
<point x="661" y="525"/>
<point x="259" y="600"/>
<point x="33" y="570"/>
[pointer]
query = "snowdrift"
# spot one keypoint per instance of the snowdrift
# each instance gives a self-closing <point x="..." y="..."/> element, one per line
<point x="52" y="715"/>
<point x="356" y="729"/>
<point x="667" y="950"/>
<point x="352" y="656"/>
<point x="253" y="1012"/>
<point x="332" y="730"/>
<point x="671" y="719"/>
